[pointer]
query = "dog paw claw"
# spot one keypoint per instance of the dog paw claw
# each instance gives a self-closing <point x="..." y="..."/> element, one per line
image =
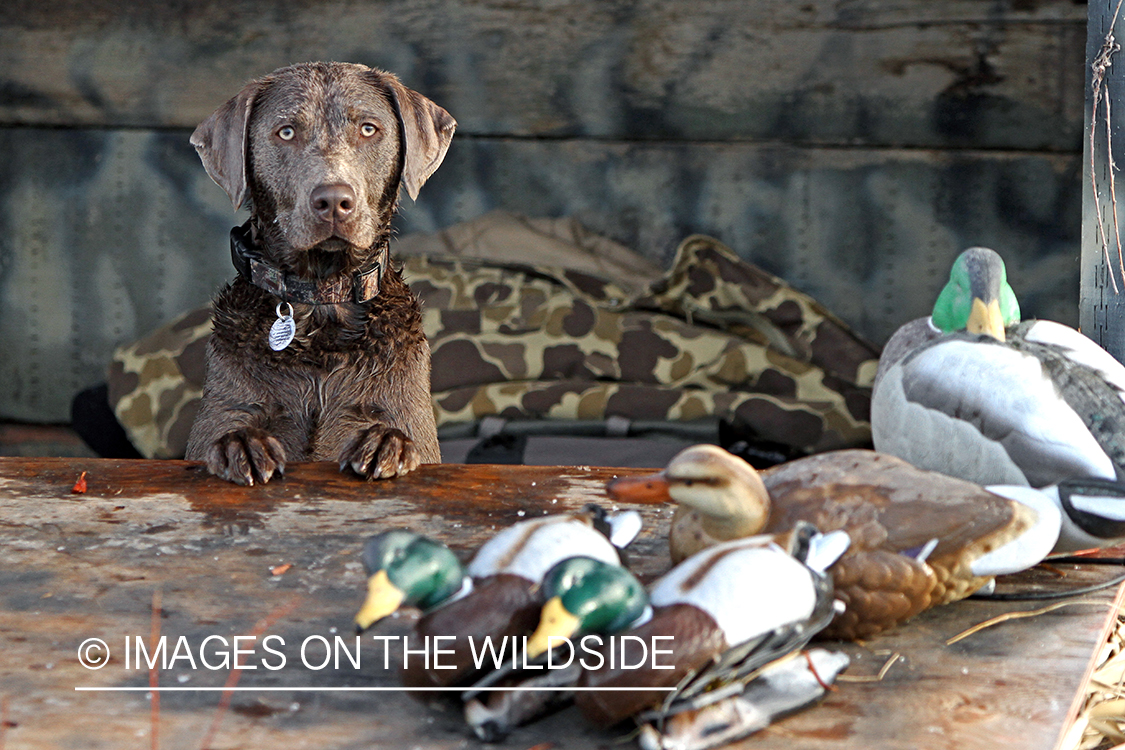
<point x="246" y="457"/>
<point x="380" y="452"/>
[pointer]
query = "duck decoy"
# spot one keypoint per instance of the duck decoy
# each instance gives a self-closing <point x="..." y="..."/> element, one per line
<point x="1092" y="510"/>
<point x="780" y="689"/>
<point x="717" y="618"/>
<point x="580" y="596"/>
<point x="712" y="623"/>
<point x="495" y="595"/>
<point x="919" y="538"/>
<point x="405" y="569"/>
<point x="972" y="392"/>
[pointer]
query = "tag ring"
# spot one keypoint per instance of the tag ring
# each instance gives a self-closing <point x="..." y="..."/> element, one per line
<point x="278" y="310"/>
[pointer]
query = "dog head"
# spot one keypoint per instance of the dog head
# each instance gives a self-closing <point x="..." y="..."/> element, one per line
<point x="318" y="153"/>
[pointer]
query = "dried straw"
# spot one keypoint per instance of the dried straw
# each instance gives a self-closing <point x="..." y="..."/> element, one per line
<point x="1101" y="722"/>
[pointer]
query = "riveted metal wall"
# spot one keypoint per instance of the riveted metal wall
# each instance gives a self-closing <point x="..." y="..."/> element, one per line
<point x="853" y="148"/>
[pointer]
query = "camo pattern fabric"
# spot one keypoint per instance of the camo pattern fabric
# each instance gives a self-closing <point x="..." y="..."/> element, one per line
<point x="709" y="283"/>
<point x="716" y="337"/>
<point x="155" y="384"/>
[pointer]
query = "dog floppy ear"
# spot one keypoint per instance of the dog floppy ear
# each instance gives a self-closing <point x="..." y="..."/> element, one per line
<point x="427" y="131"/>
<point x="220" y="141"/>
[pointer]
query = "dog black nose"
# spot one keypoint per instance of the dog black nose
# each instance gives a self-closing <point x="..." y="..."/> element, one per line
<point x="333" y="202"/>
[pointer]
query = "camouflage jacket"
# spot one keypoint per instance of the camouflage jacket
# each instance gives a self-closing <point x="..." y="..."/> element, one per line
<point x="715" y="338"/>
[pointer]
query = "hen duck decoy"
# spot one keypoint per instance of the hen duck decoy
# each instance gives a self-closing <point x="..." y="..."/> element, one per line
<point x="919" y="538"/>
<point x="972" y="392"/>
<point x="494" y="596"/>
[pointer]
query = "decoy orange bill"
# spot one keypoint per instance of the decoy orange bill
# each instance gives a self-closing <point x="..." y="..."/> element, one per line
<point x="649" y="489"/>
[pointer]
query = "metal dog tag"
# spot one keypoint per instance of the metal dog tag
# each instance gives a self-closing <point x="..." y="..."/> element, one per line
<point x="283" y="329"/>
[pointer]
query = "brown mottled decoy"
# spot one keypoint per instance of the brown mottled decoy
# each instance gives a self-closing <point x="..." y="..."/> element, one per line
<point x="919" y="538"/>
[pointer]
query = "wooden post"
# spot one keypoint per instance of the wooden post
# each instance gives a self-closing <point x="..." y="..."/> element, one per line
<point x="1101" y="306"/>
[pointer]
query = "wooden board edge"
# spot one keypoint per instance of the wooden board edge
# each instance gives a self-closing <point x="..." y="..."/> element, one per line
<point x="1080" y="696"/>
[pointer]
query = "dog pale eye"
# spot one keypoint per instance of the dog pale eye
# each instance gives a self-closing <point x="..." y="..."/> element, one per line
<point x="286" y="133"/>
<point x="368" y="130"/>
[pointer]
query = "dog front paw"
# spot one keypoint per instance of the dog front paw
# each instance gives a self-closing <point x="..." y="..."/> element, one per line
<point x="380" y="452"/>
<point x="246" y="456"/>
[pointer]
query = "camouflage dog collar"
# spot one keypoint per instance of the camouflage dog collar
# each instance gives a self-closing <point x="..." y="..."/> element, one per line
<point x="360" y="287"/>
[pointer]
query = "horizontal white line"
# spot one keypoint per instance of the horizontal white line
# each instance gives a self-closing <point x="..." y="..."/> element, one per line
<point x="348" y="689"/>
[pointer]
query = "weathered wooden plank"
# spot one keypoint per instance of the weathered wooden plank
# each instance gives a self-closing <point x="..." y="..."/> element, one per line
<point x="105" y="235"/>
<point x="80" y="566"/>
<point x="906" y="73"/>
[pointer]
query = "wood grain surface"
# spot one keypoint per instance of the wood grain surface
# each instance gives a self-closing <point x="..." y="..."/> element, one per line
<point x="212" y="557"/>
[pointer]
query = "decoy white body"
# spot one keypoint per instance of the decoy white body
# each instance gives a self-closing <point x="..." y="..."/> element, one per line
<point x="974" y="393"/>
<point x="731" y="581"/>
<point x="982" y="411"/>
<point x="530" y="548"/>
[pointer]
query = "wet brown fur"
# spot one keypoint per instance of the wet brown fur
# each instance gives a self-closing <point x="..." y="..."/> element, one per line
<point x="354" y="385"/>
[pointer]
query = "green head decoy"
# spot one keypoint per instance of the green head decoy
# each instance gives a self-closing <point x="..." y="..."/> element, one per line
<point x="1033" y="402"/>
<point x="586" y="596"/>
<point x="406" y="569"/>
<point x="977" y="298"/>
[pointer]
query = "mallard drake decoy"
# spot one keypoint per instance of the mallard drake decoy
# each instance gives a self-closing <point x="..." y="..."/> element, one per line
<point x="780" y="689"/>
<point x="580" y="596"/>
<point x="719" y="616"/>
<point x="405" y="569"/>
<point x="583" y="596"/>
<point x="919" y="538"/>
<point x="496" y="593"/>
<point x="717" y="619"/>
<point x="972" y="392"/>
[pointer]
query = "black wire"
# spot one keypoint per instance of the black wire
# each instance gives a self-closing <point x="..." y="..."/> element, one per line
<point x="1017" y="596"/>
<point x="1083" y="560"/>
